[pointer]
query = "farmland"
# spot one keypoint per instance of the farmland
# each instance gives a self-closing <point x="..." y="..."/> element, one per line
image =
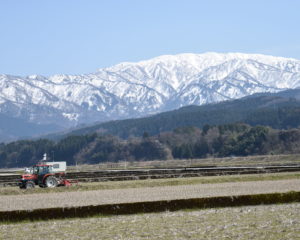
<point x="286" y="159"/>
<point x="88" y="186"/>
<point x="255" y="222"/>
<point x="97" y="197"/>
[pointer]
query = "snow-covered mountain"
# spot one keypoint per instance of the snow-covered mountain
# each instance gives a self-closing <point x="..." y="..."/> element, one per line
<point x="137" y="89"/>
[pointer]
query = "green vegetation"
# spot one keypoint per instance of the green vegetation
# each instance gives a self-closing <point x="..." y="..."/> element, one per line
<point x="183" y="143"/>
<point x="153" y="183"/>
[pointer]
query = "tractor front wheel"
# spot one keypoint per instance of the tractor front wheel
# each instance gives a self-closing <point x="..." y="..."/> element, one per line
<point x="29" y="185"/>
<point x="51" y="182"/>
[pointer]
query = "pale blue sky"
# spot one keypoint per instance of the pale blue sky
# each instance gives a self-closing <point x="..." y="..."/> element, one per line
<point x="79" y="36"/>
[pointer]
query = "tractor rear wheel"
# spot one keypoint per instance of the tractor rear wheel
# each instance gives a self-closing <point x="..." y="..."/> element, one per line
<point x="29" y="185"/>
<point x="51" y="182"/>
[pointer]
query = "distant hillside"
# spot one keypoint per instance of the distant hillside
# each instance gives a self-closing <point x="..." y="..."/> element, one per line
<point x="12" y="128"/>
<point x="279" y="110"/>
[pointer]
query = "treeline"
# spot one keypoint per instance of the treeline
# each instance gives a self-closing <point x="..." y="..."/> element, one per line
<point x="186" y="142"/>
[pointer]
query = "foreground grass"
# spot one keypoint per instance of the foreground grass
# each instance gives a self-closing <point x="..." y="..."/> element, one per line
<point x="256" y="222"/>
<point x="153" y="183"/>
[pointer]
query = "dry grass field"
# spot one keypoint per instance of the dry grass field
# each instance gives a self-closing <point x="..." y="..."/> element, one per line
<point x="97" y="197"/>
<point x="153" y="183"/>
<point x="256" y="222"/>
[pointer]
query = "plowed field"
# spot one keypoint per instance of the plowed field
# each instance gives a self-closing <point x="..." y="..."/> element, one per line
<point x="85" y="198"/>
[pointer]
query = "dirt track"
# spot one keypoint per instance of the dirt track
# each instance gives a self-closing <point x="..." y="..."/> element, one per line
<point x="66" y="199"/>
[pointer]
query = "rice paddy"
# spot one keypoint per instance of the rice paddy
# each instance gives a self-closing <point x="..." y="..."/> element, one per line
<point x="255" y="222"/>
<point x="112" y="196"/>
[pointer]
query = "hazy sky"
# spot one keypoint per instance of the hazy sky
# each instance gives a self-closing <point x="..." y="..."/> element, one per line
<point x="79" y="36"/>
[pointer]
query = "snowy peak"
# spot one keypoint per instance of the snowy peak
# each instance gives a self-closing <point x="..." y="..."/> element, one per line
<point x="130" y="89"/>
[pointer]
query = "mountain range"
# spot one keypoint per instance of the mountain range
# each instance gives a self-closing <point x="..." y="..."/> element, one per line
<point x="130" y="90"/>
<point x="277" y="110"/>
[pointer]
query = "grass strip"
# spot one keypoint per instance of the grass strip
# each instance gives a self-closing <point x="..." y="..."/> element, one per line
<point x="148" y="207"/>
<point x="153" y="183"/>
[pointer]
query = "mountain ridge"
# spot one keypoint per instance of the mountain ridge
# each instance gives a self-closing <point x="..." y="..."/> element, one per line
<point x="277" y="110"/>
<point x="144" y="88"/>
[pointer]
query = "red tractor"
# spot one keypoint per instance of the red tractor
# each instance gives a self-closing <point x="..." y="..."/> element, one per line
<point x="44" y="176"/>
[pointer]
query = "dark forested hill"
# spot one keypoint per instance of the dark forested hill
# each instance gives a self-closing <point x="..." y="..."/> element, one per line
<point x="279" y="110"/>
<point x="224" y="129"/>
<point x="237" y="139"/>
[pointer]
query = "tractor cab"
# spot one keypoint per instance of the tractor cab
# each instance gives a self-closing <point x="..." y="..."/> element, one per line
<point x="42" y="169"/>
